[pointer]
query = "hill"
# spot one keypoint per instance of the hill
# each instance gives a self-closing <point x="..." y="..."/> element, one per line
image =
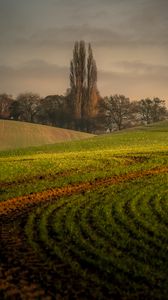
<point x="15" y="134"/>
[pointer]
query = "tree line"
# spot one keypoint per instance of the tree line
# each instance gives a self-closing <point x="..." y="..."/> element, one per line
<point x="82" y="107"/>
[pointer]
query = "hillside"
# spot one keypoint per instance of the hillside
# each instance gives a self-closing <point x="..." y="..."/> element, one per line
<point x="15" y="134"/>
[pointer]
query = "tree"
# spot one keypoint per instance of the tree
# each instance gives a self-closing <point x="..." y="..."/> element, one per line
<point x="118" y="111"/>
<point x="91" y="84"/>
<point x="152" y="110"/>
<point x="78" y="77"/>
<point x="145" y="106"/>
<point x="15" y="110"/>
<point x="158" y="111"/>
<point x="52" y="111"/>
<point x="5" y="104"/>
<point x="83" y="85"/>
<point x="25" y="107"/>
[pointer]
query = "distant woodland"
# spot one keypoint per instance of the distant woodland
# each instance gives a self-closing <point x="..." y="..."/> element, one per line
<point x="82" y="107"/>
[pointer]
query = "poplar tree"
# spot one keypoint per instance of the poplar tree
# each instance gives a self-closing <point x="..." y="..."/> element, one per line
<point x="78" y="77"/>
<point x="91" y="82"/>
<point x="83" y="82"/>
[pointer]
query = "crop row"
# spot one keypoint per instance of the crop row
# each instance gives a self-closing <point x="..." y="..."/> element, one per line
<point x="113" y="240"/>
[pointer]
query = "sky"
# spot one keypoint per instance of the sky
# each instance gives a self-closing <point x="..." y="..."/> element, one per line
<point x="128" y="37"/>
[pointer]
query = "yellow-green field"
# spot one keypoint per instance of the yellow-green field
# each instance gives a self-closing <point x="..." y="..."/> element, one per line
<point x="15" y="134"/>
<point x="86" y="219"/>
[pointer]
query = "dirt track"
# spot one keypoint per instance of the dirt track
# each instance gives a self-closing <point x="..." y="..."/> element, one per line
<point x="16" y="206"/>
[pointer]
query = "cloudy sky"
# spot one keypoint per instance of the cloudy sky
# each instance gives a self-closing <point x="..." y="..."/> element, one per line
<point x="129" y="40"/>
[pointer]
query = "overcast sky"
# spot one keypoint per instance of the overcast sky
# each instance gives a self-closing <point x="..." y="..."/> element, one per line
<point x="129" y="39"/>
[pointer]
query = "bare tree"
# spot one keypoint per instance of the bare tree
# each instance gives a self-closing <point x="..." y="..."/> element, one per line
<point x="78" y="77"/>
<point x="5" y="104"/>
<point x="152" y="110"/>
<point x="83" y="85"/>
<point x="158" y="112"/>
<point x="91" y="83"/>
<point x="145" y="106"/>
<point x="26" y="105"/>
<point x="118" y="110"/>
<point x="52" y="111"/>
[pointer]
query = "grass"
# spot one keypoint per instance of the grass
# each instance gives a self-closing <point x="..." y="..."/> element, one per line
<point x="36" y="169"/>
<point x="91" y="218"/>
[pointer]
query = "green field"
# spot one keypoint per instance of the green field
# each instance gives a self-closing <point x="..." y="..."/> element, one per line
<point x="15" y="134"/>
<point x="86" y="219"/>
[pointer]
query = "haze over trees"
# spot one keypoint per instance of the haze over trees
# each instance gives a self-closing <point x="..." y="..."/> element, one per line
<point x="82" y="108"/>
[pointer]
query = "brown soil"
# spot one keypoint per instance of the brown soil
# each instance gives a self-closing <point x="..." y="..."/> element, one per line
<point x="16" y="206"/>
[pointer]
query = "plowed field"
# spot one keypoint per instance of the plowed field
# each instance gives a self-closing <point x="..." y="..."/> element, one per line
<point x="92" y="224"/>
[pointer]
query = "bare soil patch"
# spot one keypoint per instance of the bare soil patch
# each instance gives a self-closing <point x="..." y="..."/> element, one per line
<point x="16" y="206"/>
